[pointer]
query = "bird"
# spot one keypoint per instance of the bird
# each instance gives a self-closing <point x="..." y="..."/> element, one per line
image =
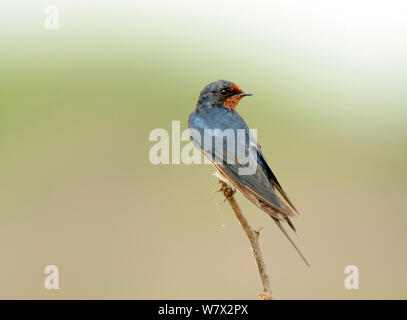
<point x="215" y="113"/>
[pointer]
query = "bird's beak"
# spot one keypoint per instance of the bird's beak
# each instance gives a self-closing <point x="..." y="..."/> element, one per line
<point x="245" y="94"/>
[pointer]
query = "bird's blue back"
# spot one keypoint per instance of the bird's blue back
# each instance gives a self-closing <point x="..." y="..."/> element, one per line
<point x="223" y="118"/>
<point x="219" y="118"/>
<point x="216" y="118"/>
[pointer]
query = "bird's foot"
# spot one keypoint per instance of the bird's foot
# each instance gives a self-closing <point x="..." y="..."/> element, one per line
<point x="227" y="191"/>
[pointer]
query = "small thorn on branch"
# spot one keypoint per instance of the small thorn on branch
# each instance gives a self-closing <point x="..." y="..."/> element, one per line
<point x="257" y="232"/>
<point x="217" y="190"/>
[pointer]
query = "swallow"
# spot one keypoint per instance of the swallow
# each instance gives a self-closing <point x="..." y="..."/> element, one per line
<point x="215" y="112"/>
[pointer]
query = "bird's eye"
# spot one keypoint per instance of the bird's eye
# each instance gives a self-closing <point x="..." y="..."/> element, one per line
<point x="223" y="91"/>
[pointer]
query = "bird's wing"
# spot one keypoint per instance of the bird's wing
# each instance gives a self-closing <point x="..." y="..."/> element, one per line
<point x="272" y="178"/>
<point x="257" y="189"/>
<point x="260" y="186"/>
<point x="256" y="185"/>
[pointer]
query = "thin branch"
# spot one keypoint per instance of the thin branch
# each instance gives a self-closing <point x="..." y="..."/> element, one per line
<point x="253" y="236"/>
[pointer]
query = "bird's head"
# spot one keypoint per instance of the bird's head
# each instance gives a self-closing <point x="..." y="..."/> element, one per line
<point x="221" y="93"/>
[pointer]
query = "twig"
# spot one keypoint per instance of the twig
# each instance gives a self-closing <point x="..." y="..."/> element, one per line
<point x="253" y="236"/>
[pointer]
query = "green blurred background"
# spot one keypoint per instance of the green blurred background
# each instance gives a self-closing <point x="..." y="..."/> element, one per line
<point x="77" y="189"/>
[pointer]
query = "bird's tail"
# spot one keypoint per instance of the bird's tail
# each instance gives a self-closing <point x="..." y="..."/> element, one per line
<point x="291" y="241"/>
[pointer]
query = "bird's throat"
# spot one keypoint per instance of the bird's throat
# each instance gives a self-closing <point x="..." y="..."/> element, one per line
<point x="232" y="102"/>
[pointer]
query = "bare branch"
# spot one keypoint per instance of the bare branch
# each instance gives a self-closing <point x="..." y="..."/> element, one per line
<point x="253" y="236"/>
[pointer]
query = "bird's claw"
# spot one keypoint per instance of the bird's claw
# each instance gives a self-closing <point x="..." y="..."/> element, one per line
<point x="231" y="196"/>
<point x="228" y="191"/>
